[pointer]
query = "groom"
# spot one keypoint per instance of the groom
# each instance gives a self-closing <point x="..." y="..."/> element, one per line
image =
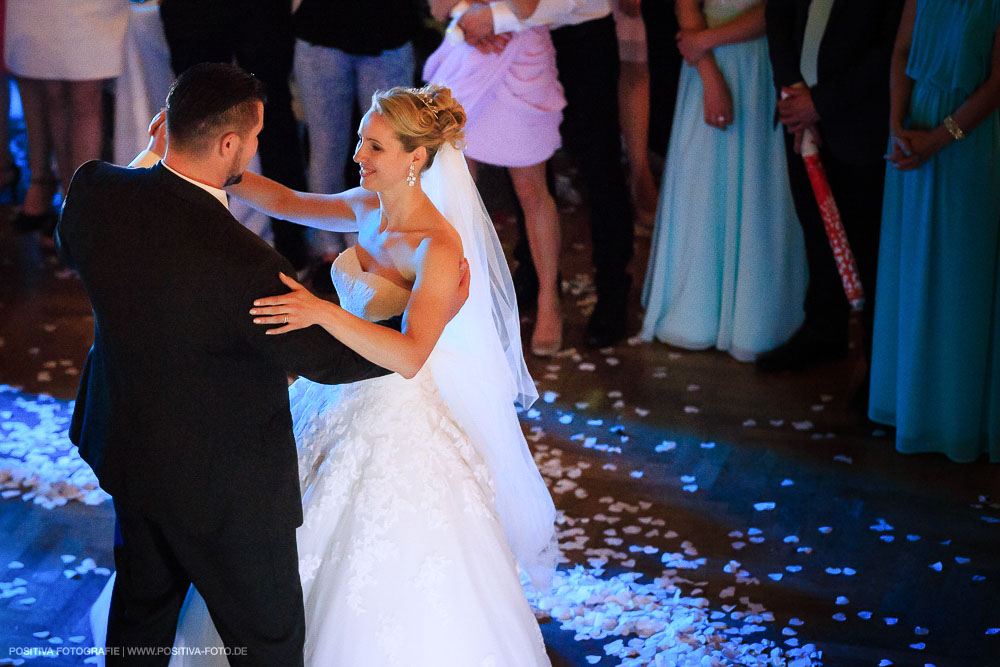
<point x="182" y="409"/>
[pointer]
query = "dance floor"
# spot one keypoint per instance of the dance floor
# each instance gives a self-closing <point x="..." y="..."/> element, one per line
<point x="709" y="515"/>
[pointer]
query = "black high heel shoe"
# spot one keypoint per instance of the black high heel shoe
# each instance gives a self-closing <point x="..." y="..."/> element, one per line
<point x="44" y="222"/>
<point x="12" y="182"/>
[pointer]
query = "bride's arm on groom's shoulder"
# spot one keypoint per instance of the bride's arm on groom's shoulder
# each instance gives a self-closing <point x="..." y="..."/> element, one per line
<point x="441" y="288"/>
<point x="336" y="213"/>
<point x="157" y="147"/>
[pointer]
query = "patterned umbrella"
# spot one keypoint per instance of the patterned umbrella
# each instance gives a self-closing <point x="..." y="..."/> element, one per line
<point x="846" y="264"/>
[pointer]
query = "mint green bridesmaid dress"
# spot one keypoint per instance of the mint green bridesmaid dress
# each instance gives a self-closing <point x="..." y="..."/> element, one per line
<point x="727" y="266"/>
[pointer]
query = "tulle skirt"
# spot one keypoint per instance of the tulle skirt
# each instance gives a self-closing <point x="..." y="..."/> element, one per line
<point x="402" y="557"/>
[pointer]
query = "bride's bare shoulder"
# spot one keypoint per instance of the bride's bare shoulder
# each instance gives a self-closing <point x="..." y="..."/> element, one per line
<point x="360" y="200"/>
<point x="439" y="243"/>
<point x="441" y="230"/>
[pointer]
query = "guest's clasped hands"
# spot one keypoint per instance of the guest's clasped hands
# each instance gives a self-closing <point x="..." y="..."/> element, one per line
<point x="718" y="99"/>
<point x="477" y="24"/>
<point x="911" y="148"/>
<point x="692" y="46"/>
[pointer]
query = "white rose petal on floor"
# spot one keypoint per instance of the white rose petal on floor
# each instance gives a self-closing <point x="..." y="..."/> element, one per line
<point x="38" y="463"/>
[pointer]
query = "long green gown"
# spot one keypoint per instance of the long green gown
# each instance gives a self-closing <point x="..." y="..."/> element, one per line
<point x="936" y="358"/>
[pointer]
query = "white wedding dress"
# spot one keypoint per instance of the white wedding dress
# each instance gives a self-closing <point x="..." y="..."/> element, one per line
<point x="402" y="556"/>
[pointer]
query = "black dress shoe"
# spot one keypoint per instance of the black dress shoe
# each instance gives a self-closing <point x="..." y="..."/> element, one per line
<point x="608" y="323"/>
<point x="859" y="401"/>
<point x="805" y="348"/>
<point x="609" y="320"/>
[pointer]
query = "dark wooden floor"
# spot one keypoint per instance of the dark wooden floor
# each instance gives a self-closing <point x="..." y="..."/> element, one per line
<point x="742" y="438"/>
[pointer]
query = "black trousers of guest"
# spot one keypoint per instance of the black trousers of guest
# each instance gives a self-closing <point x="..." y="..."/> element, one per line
<point x="857" y="189"/>
<point x="257" y="34"/>
<point x="587" y="59"/>
<point x="664" y="70"/>
<point x="248" y="577"/>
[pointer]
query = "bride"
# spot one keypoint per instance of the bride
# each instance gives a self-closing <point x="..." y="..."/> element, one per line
<point x="420" y="496"/>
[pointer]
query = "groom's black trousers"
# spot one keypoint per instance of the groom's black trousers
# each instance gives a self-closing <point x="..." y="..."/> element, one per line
<point x="156" y="564"/>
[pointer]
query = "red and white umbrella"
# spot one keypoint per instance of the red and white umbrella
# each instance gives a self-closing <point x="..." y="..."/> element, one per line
<point x="842" y="254"/>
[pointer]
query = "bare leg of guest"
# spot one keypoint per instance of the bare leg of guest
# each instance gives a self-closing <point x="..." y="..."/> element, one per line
<point x="75" y="116"/>
<point x="38" y="199"/>
<point x="86" y="130"/>
<point x="60" y="119"/>
<point x="541" y="220"/>
<point x="633" y="112"/>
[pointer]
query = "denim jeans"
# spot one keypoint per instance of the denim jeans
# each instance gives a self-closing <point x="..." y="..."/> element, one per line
<point x="331" y="83"/>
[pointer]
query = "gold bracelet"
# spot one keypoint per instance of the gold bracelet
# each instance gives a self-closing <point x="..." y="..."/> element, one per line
<point x="953" y="128"/>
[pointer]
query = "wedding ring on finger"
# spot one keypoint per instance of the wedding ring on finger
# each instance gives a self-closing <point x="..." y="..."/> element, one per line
<point x="284" y="319"/>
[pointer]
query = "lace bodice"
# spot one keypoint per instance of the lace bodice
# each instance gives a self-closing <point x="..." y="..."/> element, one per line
<point x="367" y="295"/>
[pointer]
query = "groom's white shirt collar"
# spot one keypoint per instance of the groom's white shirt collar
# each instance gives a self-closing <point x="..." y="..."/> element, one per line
<point x="148" y="158"/>
<point x="215" y="192"/>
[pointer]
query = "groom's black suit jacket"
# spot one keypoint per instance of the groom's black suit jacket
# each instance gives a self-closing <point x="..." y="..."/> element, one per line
<point x="182" y="409"/>
<point x="852" y="95"/>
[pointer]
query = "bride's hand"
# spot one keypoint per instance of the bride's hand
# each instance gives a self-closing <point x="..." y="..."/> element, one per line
<point x="158" y="133"/>
<point x="462" y="293"/>
<point x="297" y="309"/>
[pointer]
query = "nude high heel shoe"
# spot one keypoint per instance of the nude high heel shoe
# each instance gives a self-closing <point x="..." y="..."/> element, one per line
<point x="548" y="345"/>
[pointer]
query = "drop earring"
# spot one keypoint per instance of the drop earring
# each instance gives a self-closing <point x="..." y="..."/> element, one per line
<point x="411" y="180"/>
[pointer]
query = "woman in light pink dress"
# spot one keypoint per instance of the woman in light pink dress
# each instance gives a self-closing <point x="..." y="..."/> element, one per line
<point x="513" y="101"/>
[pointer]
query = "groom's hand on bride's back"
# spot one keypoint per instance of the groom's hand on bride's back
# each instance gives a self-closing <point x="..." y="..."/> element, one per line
<point x="462" y="293"/>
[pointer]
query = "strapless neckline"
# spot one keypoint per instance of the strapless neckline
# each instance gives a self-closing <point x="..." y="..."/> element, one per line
<point x="348" y="262"/>
<point x="365" y="294"/>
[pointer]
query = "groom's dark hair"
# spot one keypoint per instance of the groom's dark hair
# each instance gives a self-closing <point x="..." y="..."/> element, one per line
<point x="209" y="100"/>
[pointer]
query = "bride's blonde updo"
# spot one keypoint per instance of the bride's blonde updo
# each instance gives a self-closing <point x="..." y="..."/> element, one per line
<point x="428" y="117"/>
